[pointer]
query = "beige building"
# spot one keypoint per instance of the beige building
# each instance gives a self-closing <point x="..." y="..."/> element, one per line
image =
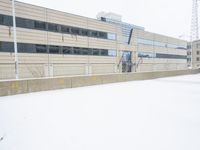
<point x="195" y="54"/>
<point x="54" y="43"/>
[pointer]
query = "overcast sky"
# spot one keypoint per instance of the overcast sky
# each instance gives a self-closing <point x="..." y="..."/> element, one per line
<point x="168" y="17"/>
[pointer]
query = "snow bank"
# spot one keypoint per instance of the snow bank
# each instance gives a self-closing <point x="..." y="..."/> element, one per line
<point x="161" y="114"/>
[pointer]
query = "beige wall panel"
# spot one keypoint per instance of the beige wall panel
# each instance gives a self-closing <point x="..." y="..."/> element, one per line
<point x="145" y="67"/>
<point x="66" y="19"/>
<point x="161" y="50"/>
<point x="31" y="70"/>
<point x="32" y="58"/>
<point x="69" y="69"/>
<point x="160" y="60"/>
<point x="160" y="38"/>
<point x="7" y="71"/>
<point x="6" y="58"/>
<point x="101" y="59"/>
<point x="30" y="11"/>
<point x="160" y="67"/>
<point x="100" y="43"/>
<point x="103" y="68"/>
<point x="145" y="48"/>
<point x="68" y="59"/>
<point x="5" y="7"/>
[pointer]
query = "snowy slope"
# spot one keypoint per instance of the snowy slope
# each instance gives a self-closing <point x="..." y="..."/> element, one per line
<point x="161" y="114"/>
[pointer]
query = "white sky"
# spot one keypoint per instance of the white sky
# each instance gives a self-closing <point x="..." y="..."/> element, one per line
<point x="168" y="17"/>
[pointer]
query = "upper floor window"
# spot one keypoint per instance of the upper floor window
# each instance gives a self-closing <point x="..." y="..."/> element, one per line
<point x="40" y="25"/>
<point x="53" y="27"/>
<point x="41" y="48"/>
<point x="198" y="52"/>
<point x="54" y="49"/>
<point x="111" y="36"/>
<point x="65" y="29"/>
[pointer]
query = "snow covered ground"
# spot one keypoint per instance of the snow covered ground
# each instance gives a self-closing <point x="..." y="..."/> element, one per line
<point x="161" y="114"/>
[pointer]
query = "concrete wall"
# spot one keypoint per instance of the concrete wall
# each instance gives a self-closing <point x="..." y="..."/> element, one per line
<point x="13" y="87"/>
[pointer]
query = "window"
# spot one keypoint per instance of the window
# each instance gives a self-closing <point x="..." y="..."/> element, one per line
<point x="160" y="44"/>
<point x="54" y="49"/>
<point x="112" y="53"/>
<point x="96" y="52"/>
<point x="1" y="19"/>
<point x="24" y="23"/>
<point x="84" y="32"/>
<point x="7" y="20"/>
<point x="75" y="31"/>
<point x="53" y="27"/>
<point x="94" y="33"/>
<point x="6" y="47"/>
<point x="77" y="51"/>
<point x="104" y="52"/>
<point x="198" y="59"/>
<point x="25" y="48"/>
<point x="111" y="36"/>
<point x="40" y="25"/>
<point x="41" y="48"/>
<point x="170" y="56"/>
<point x="67" y="50"/>
<point x="198" y="52"/>
<point x="65" y="29"/>
<point x="146" y="55"/>
<point x="85" y="51"/>
<point x="103" y="35"/>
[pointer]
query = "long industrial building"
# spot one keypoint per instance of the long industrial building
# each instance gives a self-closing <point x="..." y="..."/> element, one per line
<point x="54" y="43"/>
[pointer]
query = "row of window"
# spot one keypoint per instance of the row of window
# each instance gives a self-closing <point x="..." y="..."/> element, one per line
<point x="40" y="25"/>
<point x="52" y="49"/>
<point x="160" y="55"/>
<point x="160" y="44"/>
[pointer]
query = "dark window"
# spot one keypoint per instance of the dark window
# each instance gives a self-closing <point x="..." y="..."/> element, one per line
<point x="54" y="49"/>
<point x="25" y="48"/>
<point x="77" y="51"/>
<point x="24" y="23"/>
<point x="198" y="53"/>
<point x="65" y="29"/>
<point x="75" y="31"/>
<point x="67" y="50"/>
<point x="6" y="47"/>
<point x="7" y="20"/>
<point x="40" y="25"/>
<point x="104" y="52"/>
<point x="84" y="32"/>
<point x="103" y="19"/>
<point x="96" y="52"/>
<point x="103" y="35"/>
<point x="198" y="58"/>
<point x="41" y="48"/>
<point x="1" y="19"/>
<point x="170" y="56"/>
<point x="53" y="27"/>
<point x="85" y="51"/>
<point x="94" y="33"/>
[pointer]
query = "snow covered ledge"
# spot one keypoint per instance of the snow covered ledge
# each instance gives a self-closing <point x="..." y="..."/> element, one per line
<point x="13" y="87"/>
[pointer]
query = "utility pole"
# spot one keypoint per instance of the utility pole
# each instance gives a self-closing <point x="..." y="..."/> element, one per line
<point x="15" y="41"/>
<point x="195" y="23"/>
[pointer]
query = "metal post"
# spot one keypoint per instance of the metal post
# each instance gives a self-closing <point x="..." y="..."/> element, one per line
<point x="15" y="40"/>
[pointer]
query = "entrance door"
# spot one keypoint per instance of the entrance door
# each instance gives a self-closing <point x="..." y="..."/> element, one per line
<point x="127" y="61"/>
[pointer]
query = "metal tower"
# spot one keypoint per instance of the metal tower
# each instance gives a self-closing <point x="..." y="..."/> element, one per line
<point x="194" y="25"/>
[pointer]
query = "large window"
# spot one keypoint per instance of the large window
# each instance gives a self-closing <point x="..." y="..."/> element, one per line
<point x="6" y="47"/>
<point x="41" y="48"/>
<point x="40" y="25"/>
<point x="53" y="49"/>
<point x="67" y="50"/>
<point x="53" y="27"/>
<point x="111" y="36"/>
<point x="24" y="23"/>
<point x="65" y="29"/>
<point x="146" y="55"/>
<point x="75" y="31"/>
<point x="1" y="19"/>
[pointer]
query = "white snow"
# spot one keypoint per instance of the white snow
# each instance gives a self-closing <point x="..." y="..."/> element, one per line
<point x="161" y="114"/>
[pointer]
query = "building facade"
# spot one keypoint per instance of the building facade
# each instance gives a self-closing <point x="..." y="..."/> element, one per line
<point x="54" y="43"/>
<point x="195" y="54"/>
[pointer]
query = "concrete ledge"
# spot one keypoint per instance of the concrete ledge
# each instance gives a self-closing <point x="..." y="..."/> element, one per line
<point x="13" y="87"/>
